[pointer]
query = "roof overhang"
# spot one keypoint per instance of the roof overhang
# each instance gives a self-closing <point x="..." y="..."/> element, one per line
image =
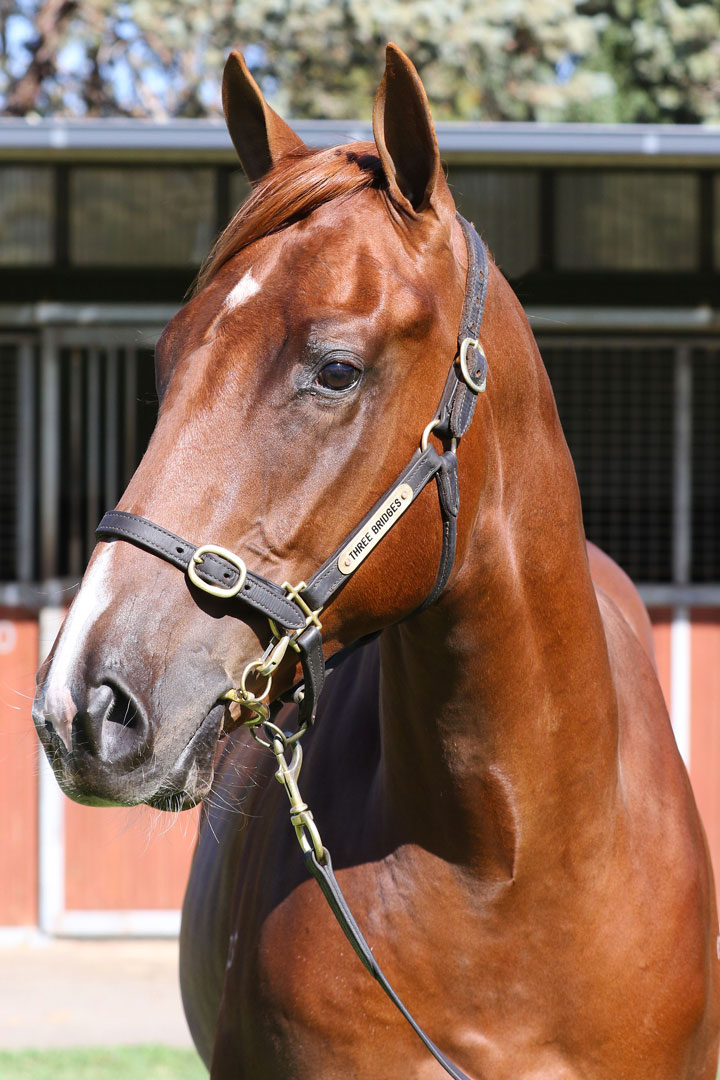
<point x="501" y="143"/>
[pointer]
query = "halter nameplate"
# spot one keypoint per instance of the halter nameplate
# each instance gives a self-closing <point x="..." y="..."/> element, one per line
<point x="362" y="543"/>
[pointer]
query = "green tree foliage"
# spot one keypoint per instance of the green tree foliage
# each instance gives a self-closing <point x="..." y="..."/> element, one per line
<point x="490" y="60"/>
<point x="663" y="57"/>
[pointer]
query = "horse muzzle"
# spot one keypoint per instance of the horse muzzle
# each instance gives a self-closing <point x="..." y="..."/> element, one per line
<point x="104" y="750"/>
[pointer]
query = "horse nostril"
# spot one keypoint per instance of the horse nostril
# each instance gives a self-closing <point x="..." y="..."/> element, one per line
<point x="123" y="711"/>
<point x="125" y="732"/>
<point x="111" y="726"/>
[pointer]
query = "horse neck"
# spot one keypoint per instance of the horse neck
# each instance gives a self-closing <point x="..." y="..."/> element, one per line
<point x="498" y="713"/>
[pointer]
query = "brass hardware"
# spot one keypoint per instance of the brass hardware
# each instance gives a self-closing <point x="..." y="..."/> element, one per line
<point x="300" y="815"/>
<point x="426" y="433"/>
<point x="217" y="590"/>
<point x="257" y="703"/>
<point x="274" y="653"/>
<point x="259" y="708"/>
<point x="476" y="387"/>
<point x="270" y="660"/>
<point x="254" y="668"/>
<point x="290" y="637"/>
<point x="272" y="731"/>
<point x="293" y="592"/>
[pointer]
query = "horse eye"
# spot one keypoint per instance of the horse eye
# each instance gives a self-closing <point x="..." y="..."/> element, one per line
<point x="338" y="376"/>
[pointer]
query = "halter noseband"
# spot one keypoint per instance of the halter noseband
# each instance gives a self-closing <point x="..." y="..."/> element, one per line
<point x="294" y="611"/>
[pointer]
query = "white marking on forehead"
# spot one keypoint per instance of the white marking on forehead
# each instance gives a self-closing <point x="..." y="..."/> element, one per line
<point x="90" y="602"/>
<point x="246" y="287"/>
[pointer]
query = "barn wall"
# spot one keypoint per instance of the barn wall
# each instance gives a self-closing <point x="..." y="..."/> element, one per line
<point x="705" y="742"/>
<point x="126" y="858"/>
<point x="18" y="770"/>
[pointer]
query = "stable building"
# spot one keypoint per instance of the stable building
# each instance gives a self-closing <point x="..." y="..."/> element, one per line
<point x="610" y="236"/>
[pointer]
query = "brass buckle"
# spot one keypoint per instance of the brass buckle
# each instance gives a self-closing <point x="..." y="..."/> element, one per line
<point x="217" y="590"/>
<point x="476" y="387"/>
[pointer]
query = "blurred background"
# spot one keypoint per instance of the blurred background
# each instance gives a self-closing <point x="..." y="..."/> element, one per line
<point x="581" y="138"/>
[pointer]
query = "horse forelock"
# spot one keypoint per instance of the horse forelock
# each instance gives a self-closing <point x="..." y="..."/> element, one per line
<point x="302" y="181"/>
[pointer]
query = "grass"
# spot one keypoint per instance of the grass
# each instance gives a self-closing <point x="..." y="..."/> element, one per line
<point x="123" y="1063"/>
<point x="126" y="1063"/>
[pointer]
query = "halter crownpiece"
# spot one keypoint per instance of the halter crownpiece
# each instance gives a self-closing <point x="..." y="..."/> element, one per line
<point x="293" y="611"/>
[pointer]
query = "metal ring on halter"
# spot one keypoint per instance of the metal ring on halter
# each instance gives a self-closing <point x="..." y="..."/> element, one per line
<point x="426" y="433"/>
<point x="255" y="665"/>
<point x="272" y="731"/>
<point x="476" y="387"/>
<point x="229" y="556"/>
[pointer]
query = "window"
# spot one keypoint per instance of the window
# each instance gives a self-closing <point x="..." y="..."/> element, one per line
<point x="141" y="217"/>
<point x="503" y="205"/>
<point x="630" y="220"/>
<point x="26" y="215"/>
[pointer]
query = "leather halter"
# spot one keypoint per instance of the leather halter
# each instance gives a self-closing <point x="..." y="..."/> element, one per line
<point x="296" y="609"/>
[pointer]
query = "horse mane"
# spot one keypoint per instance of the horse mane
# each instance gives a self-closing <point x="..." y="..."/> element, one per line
<point x="299" y="183"/>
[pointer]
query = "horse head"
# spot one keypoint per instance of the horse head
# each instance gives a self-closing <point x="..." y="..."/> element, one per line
<point x="293" y="387"/>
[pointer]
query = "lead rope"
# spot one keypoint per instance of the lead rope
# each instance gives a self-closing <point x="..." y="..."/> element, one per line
<point x="319" y="864"/>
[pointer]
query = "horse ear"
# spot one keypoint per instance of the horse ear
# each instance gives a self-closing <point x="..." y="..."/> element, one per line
<point x="259" y="135"/>
<point x="405" y="135"/>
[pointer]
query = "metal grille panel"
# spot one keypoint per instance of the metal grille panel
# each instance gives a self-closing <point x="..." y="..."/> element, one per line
<point x="107" y="412"/>
<point x="626" y="220"/>
<point x="616" y="406"/>
<point x="9" y="458"/>
<point x="706" y="466"/>
<point x="75" y="419"/>
<point x="74" y="423"/>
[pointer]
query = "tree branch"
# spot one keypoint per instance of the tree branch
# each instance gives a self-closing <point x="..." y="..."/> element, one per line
<point x="50" y="24"/>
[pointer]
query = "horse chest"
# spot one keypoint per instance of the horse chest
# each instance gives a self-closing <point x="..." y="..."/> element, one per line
<point x="497" y="989"/>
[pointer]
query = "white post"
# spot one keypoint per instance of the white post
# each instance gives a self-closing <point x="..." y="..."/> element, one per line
<point x="26" y="464"/>
<point x="680" y="631"/>
<point x="51" y="809"/>
<point x="680" y="680"/>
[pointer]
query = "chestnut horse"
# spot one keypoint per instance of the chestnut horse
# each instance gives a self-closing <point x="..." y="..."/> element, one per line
<point x="495" y="774"/>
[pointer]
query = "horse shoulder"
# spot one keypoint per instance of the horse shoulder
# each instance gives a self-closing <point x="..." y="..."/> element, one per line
<point x="609" y="578"/>
<point x="661" y="852"/>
